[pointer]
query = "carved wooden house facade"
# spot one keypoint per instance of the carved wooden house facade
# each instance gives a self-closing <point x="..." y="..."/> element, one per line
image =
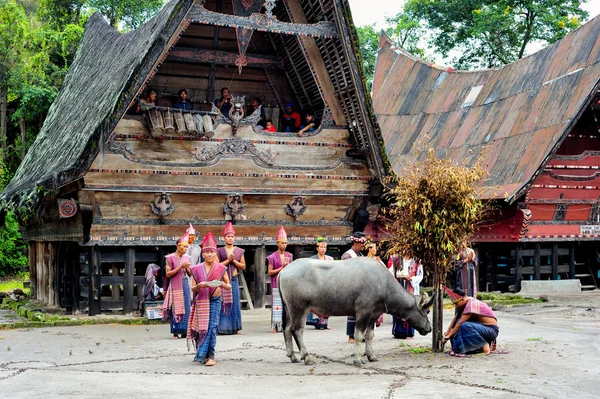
<point x="537" y="121"/>
<point x="103" y="192"/>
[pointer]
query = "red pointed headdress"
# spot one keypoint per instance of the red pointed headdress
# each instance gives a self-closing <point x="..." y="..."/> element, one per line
<point x="190" y="230"/>
<point x="185" y="238"/>
<point x="229" y="229"/>
<point x="282" y="235"/>
<point x="454" y="297"/>
<point x="209" y="243"/>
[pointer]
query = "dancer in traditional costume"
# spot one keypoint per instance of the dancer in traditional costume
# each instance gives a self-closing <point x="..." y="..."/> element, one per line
<point x="277" y="261"/>
<point x="210" y="299"/>
<point x="320" y="323"/>
<point x="410" y="277"/>
<point x="371" y="248"/>
<point x="176" y="307"/>
<point x="358" y="244"/>
<point x="474" y="327"/>
<point x="233" y="258"/>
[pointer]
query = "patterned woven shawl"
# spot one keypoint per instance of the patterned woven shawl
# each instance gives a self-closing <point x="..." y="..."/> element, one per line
<point x="200" y="314"/>
<point x="477" y="307"/>
<point x="174" y="298"/>
<point x="275" y="261"/>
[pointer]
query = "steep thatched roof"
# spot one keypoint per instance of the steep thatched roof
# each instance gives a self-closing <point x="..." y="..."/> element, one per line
<point x="107" y="72"/>
<point x="520" y="113"/>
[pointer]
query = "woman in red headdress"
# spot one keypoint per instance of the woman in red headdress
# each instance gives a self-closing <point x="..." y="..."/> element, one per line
<point x="212" y="291"/>
<point x="232" y="257"/>
<point x="176" y="307"/>
<point x="277" y="261"/>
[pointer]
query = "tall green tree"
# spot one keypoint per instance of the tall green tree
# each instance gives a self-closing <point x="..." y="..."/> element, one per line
<point x="434" y="207"/>
<point x="130" y="13"/>
<point x="489" y="33"/>
<point x="368" y="39"/>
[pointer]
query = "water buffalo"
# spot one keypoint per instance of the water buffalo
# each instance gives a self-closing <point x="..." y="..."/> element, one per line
<point x="359" y="287"/>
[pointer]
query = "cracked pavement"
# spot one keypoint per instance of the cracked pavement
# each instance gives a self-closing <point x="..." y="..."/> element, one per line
<point x="553" y="351"/>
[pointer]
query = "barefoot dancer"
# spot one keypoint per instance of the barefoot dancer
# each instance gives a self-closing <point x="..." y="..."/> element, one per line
<point x="277" y="261"/>
<point x="233" y="258"/>
<point x="358" y="239"/>
<point x="176" y="307"/>
<point x="206" y="307"/>
<point x="474" y="326"/>
<point x="320" y="323"/>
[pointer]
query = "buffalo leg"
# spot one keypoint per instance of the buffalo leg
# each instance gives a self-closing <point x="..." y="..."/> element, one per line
<point x="360" y="332"/>
<point x="369" y="342"/>
<point x="297" y="322"/>
<point x="287" y="336"/>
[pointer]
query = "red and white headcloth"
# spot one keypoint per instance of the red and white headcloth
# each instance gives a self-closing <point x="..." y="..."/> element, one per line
<point x="229" y="229"/>
<point x="209" y="243"/>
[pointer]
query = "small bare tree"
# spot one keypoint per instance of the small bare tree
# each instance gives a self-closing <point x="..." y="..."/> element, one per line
<point x="434" y="207"/>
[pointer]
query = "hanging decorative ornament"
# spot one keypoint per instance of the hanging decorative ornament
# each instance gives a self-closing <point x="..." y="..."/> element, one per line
<point x="269" y="5"/>
<point x="241" y="61"/>
<point x="67" y="208"/>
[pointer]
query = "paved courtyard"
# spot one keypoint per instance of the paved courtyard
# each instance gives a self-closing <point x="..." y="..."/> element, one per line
<point x="553" y="351"/>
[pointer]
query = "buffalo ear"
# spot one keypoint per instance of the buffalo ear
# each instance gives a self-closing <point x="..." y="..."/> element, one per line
<point x="429" y="303"/>
<point x="423" y="300"/>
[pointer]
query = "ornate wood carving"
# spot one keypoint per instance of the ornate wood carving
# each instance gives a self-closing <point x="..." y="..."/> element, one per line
<point x="296" y="208"/>
<point x="67" y="208"/>
<point x="235" y="147"/>
<point x="262" y="22"/>
<point x="219" y="57"/>
<point x="234" y="206"/>
<point x="236" y="115"/>
<point x="269" y="6"/>
<point x="162" y="205"/>
<point x="561" y="211"/>
<point x="117" y="147"/>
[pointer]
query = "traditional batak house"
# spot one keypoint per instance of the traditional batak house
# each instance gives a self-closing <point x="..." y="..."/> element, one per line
<point x="537" y="120"/>
<point x="104" y="190"/>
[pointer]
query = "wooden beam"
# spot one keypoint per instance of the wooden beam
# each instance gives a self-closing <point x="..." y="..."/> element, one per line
<point x="554" y="261"/>
<point x="94" y="294"/>
<point x="260" y="22"/>
<point x="260" y="269"/>
<point x="115" y="288"/>
<point x="220" y="57"/>
<point x="128" y="280"/>
<point x="536" y="262"/>
<point x="316" y="61"/>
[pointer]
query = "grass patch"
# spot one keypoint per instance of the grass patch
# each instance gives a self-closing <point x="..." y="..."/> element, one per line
<point x="505" y="299"/>
<point x="10" y="285"/>
<point x="420" y="350"/>
<point x="534" y="339"/>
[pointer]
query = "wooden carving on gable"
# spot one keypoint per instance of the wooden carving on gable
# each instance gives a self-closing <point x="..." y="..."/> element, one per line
<point x="296" y="208"/>
<point x="162" y="205"/>
<point x="234" y="206"/>
<point x="244" y="8"/>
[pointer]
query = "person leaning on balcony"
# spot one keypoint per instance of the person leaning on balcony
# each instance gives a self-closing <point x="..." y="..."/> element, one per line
<point x="147" y="102"/>
<point x="183" y="102"/>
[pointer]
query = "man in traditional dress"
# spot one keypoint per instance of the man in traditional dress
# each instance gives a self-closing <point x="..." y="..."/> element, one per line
<point x="233" y="258"/>
<point x="474" y="327"/>
<point x="277" y="261"/>
<point x="212" y="292"/>
<point x="176" y="307"/>
<point x="358" y="239"/>
<point x="410" y="278"/>
<point x="194" y="250"/>
<point x="320" y="323"/>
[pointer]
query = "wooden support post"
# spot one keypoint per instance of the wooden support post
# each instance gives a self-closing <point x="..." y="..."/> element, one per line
<point x="32" y="270"/>
<point x="518" y="269"/>
<point x="555" y="261"/>
<point x="115" y="289"/>
<point x="73" y="260"/>
<point x="260" y="269"/>
<point x="493" y="272"/>
<point x="94" y="294"/>
<point x="572" y="260"/>
<point x="128" y="280"/>
<point x="536" y="262"/>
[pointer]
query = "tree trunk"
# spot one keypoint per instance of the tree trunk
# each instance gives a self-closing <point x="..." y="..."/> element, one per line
<point x="23" y="130"/>
<point x="438" y="314"/>
<point x="3" y="120"/>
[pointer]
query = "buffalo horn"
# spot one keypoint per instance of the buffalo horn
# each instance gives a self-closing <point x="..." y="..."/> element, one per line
<point x="424" y="299"/>
<point x="429" y="302"/>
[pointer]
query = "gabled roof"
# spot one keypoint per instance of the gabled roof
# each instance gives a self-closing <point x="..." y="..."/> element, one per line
<point x="519" y="113"/>
<point x="107" y="73"/>
<point x="110" y="69"/>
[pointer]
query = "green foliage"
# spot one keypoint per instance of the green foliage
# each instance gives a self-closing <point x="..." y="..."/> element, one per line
<point x="534" y="339"/>
<point x="489" y="33"/>
<point x="12" y="248"/>
<point x="368" y="40"/>
<point x="130" y="13"/>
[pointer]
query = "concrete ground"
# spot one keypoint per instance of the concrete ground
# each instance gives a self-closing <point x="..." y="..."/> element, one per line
<point x="553" y="351"/>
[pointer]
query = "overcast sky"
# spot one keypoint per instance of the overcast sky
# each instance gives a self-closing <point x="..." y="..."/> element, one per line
<point x="366" y="12"/>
